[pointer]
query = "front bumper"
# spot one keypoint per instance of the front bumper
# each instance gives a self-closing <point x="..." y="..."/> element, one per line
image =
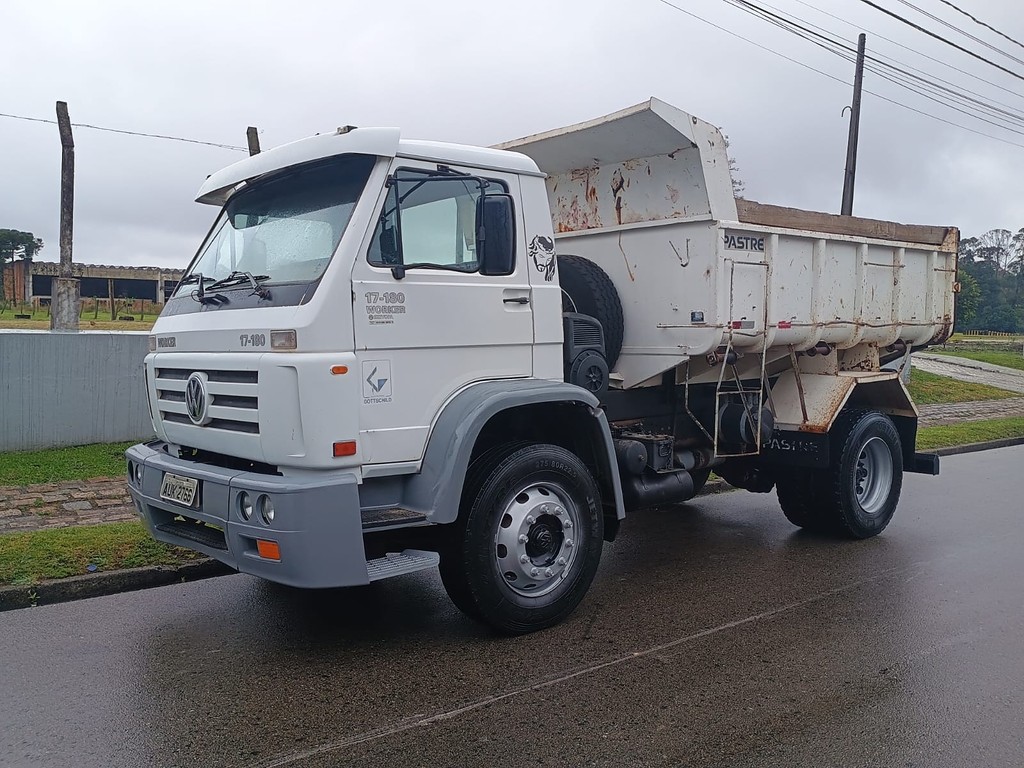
<point x="317" y="523"/>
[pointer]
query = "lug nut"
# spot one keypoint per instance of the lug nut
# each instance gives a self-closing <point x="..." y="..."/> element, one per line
<point x="558" y="511"/>
<point x="530" y="520"/>
<point x="548" y="572"/>
<point x="568" y="543"/>
<point x="567" y="524"/>
<point x="544" y="508"/>
<point x="534" y="571"/>
<point x="524" y="559"/>
<point x="560" y="561"/>
<point x="523" y="538"/>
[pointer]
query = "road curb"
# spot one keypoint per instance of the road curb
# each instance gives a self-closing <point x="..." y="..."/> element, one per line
<point x="990" y="445"/>
<point x="114" y="582"/>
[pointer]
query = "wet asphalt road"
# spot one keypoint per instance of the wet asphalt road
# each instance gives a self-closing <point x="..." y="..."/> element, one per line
<point x="715" y="635"/>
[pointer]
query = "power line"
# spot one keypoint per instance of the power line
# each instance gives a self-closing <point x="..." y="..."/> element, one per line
<point x="939" y="37"/>
<point x="976" y="20"/>
<point x="909" y="49"/>
<point x="955" y="28"/>
<point x="837" y="79"/>
<point x="933" y="91"/>
<point x="128" y="133"/>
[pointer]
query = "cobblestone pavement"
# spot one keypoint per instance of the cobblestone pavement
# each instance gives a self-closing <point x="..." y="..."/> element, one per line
<point x="106" y="499"/>
<point x="59" y="505"/>
<point x="950" y="413"/>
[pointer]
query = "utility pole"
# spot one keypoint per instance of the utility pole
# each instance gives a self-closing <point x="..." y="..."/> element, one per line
<point x="851" y="144"/>
<point x="65" y="292"/>
<point x="253" y="139"/>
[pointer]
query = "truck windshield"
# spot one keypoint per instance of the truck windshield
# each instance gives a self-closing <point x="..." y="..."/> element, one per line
<point x="283" y="229"/>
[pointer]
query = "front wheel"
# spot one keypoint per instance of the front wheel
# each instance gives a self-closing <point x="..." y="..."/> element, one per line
<point x="528" y="541"/>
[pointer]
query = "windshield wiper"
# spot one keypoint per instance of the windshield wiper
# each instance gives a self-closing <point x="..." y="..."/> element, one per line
<point x="200" y="294"/>
<point x="237" y="277"/>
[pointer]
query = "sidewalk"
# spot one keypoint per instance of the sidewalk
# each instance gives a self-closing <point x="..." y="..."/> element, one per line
<point x="971" y="370"/>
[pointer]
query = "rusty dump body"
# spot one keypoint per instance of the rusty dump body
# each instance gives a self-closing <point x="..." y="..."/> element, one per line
<point x="646" y="193"/>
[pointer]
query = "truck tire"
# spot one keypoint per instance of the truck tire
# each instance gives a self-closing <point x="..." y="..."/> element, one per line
<point x="528" y="540"/>
<point x="587" y="289"/>
<point x="866" y="474"/>
<point x="800" y="496"/>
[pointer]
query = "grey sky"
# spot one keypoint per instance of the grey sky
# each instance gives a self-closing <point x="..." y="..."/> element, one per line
<point x="478" y="72"/>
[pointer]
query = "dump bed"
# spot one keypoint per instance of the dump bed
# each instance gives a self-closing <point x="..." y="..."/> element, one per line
<point x="646" y="193"/>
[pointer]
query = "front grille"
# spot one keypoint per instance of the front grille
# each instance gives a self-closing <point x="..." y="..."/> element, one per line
<point x="234" y="398"/>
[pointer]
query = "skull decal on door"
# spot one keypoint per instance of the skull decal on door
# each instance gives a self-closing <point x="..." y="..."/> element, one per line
<point x="542" y="252"/>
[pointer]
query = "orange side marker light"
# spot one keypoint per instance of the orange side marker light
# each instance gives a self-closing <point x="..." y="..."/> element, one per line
<point x="345" y="448"/>
<point x="268" y="550"/>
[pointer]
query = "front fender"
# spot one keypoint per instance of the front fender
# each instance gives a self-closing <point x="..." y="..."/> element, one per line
<point x="437" y="490"/>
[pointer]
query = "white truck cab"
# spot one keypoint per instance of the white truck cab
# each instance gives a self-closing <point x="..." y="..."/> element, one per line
<point x="384" y="358"/>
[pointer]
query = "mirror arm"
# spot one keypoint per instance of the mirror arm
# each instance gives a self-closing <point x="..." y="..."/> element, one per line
<point x="398" y="273"/>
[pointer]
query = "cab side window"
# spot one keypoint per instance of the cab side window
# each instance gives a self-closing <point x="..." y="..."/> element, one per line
<point x="428" y="220"/>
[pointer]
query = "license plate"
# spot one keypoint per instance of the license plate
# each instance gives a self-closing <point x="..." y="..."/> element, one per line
<point x="181" y="490"/>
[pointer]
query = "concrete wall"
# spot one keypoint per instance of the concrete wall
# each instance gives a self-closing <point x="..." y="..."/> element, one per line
<point x="71" y="388"/>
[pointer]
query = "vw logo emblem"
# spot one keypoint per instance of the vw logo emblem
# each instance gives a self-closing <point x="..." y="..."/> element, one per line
<point x="197" y="400"/>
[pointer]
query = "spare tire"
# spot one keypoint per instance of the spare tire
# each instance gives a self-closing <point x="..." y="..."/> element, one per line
<point x="587" y="289"/>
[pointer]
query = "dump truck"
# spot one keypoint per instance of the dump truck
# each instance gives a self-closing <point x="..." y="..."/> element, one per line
<point x="390" y="355"/>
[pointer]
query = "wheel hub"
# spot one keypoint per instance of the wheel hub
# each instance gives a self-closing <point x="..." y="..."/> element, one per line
<point x="873" y="476"/>
<point x="534" y="543"/>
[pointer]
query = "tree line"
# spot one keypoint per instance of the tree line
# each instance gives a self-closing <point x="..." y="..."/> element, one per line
<point x="990" y="269"/>
<point x="14" y="242"/>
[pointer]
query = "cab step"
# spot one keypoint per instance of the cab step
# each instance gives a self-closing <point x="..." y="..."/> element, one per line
<point x="393" y="516"/>
<point x="401" y="563"/>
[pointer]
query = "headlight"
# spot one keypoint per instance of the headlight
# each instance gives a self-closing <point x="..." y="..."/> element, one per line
<point x="138" y="475"/>
<point x="244" y="505"/>
<point x="266" y="509"/>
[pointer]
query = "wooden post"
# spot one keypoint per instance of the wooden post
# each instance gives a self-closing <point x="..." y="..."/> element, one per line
<point x="253" y="139"/>
<point x="110" y="295"/>
<point x="850" y="174"/>
<point x="64" y="315"/>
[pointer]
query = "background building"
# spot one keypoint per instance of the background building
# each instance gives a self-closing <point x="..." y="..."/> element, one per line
<point x="25" y="280"/>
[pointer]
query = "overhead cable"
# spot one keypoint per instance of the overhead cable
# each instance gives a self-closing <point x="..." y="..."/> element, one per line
<point x="129" y="133"/>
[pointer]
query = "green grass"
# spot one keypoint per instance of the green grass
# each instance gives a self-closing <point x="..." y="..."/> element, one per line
<point x="32" y="556"/>
<point x="931" y="389"/>
<point x="40" y="321"/>
<point x="1007" y="359"/>
<point x="57" y="464"/>
<point x="929" y="438"/>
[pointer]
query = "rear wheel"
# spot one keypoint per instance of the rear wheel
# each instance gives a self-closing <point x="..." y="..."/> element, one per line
<point x="857" y="494"/>
<point x="800" y="496"/>
<point x="866" y="475"/>
<point x="528" y="541"/>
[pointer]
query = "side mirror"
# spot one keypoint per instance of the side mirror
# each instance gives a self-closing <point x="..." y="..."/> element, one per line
<point x="496" y="235"/>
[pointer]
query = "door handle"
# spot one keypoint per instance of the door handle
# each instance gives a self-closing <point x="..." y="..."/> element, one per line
<point x="517" y="300"/>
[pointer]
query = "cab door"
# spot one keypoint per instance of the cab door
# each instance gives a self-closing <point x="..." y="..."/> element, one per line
<point x="427" y="323"/>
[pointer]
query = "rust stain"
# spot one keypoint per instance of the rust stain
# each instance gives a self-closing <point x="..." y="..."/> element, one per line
<point x="626" y="259"/>
<point x="618" y="184"/>
<point x="673" y="194"/>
